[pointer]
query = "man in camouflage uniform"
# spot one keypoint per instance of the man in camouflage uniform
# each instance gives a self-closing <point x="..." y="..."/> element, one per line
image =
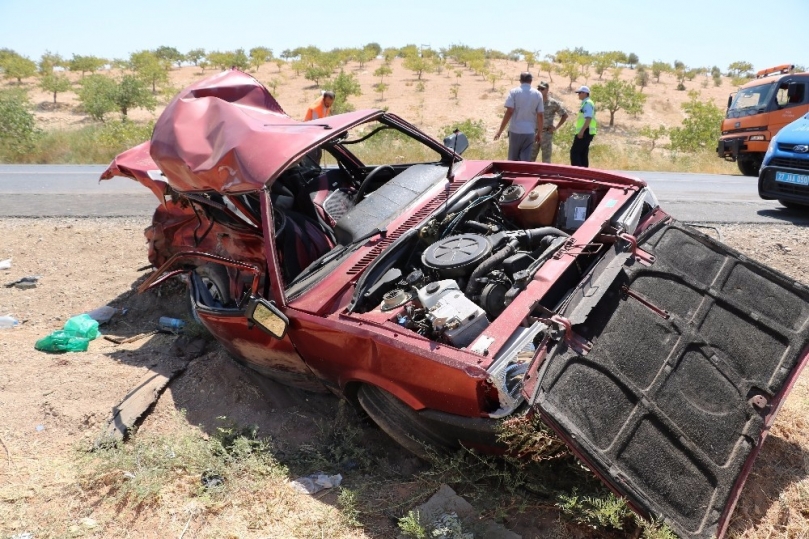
<point x="553" y="107"/>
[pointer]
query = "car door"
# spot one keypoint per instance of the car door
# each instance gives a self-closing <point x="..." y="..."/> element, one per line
<point x="675" y="374"/>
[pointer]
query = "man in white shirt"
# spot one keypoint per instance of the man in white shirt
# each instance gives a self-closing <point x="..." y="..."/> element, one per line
<point x="525" y="112"/>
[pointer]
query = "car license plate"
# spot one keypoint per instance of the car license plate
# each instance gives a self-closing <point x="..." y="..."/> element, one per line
<point x="787" y="177"/>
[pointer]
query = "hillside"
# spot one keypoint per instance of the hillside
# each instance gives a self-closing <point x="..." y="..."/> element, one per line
<point x="430" y="109"/>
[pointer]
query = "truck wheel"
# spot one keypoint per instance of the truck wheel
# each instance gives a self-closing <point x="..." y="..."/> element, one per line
<point x="401" y="422"/>
<point x="749" y="165"/>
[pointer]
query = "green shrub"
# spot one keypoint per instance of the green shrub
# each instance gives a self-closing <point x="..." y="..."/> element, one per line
<point x="475" y="130"/>
<point x="701" y="127"/>
<point x="18" y="131"/>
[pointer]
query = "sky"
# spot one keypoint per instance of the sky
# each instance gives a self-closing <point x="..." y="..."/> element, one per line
<point x="700" y="33"/>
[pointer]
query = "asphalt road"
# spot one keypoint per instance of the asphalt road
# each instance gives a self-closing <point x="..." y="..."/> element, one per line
<point x="74" y="191"/>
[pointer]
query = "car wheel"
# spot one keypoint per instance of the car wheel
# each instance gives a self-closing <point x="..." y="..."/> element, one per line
<point x="793" y="205"/>
<point x="749" y="166"/>
<point x="215" y="279"/>
<point x="401" y="422"/>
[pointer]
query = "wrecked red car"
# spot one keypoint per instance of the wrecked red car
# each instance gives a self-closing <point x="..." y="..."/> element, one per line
<point x="447" y="294"/>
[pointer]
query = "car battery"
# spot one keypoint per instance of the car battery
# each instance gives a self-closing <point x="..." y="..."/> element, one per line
<point x="538" y="208"/>
<point x="573" y="212"/>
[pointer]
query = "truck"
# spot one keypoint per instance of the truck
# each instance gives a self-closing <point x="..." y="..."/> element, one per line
<point x="785" y="171"/>
<point x="757" y="111"/>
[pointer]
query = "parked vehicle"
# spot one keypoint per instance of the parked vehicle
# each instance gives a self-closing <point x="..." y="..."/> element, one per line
<point x="785" y="173"/>
<point x="444" y="295"/>
<point x="760" y="108"/>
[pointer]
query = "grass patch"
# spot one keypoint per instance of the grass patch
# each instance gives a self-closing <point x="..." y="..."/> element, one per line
<point x="143" y="471"/>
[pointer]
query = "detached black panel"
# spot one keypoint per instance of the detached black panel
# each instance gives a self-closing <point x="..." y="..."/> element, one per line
<point x="387" y="202"/>
<point x="672" y="408"/>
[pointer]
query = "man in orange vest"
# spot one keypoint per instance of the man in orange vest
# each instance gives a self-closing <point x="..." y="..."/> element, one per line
<point x="320" y="108"/>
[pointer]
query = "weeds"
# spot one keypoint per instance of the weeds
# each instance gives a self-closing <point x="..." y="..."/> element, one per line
<point x="141" y="471"/>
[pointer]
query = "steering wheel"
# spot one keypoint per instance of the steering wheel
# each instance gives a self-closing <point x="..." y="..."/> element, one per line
<point x="367" y="181"/>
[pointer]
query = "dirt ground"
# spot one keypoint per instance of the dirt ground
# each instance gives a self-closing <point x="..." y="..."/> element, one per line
<point x="54" y="406"/>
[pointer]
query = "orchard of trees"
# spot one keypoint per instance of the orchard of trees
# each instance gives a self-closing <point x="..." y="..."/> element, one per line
<point x="108" y="89"/>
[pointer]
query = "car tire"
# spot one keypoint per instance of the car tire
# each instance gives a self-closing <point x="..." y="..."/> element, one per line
<point x="216" y="280"/>
<point x="749" y="166"/>
<point x="402" y="423"/>
<point x="793" y="205"/>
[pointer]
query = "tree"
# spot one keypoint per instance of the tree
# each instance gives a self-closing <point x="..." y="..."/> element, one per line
<point x="418" y="65"/>
<point x="380" y="88"/>
<point x="150" y="68"/>
<point x="364" y="55"/>
<point x="492" y="77"/>
<point x="238" y="59"/>
<point x="569" y="69"/>
<point x="344" y="86"/>
<point x="659" y="68"/>
<point x="18" y="67"/>
<point x="642" y="77"/>
<point x="678" y="65"/>
<point x="615" y="95"/>
<point x="101" y="95"/>
<point x="653" y="134"/>
<point x="739" y="69"/>
<point x="373" y="48"/>
<point x="382" y="71"/>
<point x="632" y="60"/>
<point x="195" y="56"/>
<point x="54" y="83"/>
<point x="547" y="65"/>
<point x="85" y="64"/>
<point x="132" y="92"/>
<point x="170" y="55"/>
<point x="259" y="56"/>
<point x="603" y="61"/>
<point x="97" y="96"/>
<point x="317" y="73"/>
<point x="48" y="61"/>
<point x="18" y="131"/>
<point x="700" y="129"/>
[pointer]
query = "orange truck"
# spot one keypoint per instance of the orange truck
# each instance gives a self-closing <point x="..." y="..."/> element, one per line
<point x="757" y="111"/>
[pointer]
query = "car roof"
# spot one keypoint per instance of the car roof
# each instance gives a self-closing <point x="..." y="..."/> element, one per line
<point x="228" y="134"/>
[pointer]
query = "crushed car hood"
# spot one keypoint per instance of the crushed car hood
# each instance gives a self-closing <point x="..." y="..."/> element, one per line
<point x="690" y="359"/>
<point x="227" y="134"/>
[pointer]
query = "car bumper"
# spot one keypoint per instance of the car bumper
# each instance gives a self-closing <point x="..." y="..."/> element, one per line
<point x="769" y="188"/>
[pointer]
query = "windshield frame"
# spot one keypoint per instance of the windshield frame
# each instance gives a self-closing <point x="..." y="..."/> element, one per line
<point x="764" y="91"/>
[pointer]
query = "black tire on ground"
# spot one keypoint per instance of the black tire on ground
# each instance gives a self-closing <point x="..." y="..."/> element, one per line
<point x="402" y="423"/>
<point x="749" y="165"/>
<point x="793" y="205"/>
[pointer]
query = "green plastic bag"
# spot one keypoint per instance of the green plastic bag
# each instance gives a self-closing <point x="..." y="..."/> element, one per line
<point x="75" y="337"/>
<point x="62" y="341"/>
<point x="82" y="326"/>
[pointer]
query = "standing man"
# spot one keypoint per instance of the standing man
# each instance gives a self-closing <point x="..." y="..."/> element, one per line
<point x="586" y="128"/>
<point x="320" y="108"/>
<point x="524" y="109"/>
<point x="553" y="107"/>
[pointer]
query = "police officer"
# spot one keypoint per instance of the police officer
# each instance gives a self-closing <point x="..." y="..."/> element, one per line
<point x="553" y="107"/>
<point x="586" y="129"/>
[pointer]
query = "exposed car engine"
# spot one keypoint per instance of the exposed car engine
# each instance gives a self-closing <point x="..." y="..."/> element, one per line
<point x="467" y="263"/>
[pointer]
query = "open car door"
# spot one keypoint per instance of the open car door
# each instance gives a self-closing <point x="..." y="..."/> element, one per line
<point x="691" y="357"/>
